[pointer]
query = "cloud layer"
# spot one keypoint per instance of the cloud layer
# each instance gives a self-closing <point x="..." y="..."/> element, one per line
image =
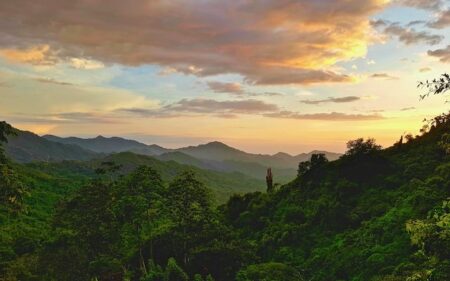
<point x="268" y="42"/>
<point x="234" y="108"/>
<point x="333" y="100"/>
<point x="407" y="35"/>
<point x="442" y="54"/>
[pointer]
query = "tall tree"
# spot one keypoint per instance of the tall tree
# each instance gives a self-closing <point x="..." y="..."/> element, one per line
<point x="136" y="204"/>
<point x="12" y="191"/>
<point x="190" y="206"/>
<point x="86" y="236"/>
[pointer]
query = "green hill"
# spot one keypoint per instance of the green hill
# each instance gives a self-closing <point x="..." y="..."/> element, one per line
<point x="222" y="184"/>
<point x="28" y="147"/>
<point x="372" y="215"/>
<point x="355" y="218"/>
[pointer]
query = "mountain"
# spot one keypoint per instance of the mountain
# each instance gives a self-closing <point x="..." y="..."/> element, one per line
<point x="60" y="157"/>
<point x="218" y="151"/>
<point x="214" y="156"/>
<point x="29" y="147"/>
<point x="102" y="144"/>
<point x="252" y="169"/>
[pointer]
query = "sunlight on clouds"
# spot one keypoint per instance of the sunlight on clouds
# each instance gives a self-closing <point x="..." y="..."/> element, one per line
<point x="80" y="63"/>
<point x="38" y="55"/>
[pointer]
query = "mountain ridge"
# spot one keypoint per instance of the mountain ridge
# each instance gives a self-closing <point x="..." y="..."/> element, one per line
<point x="214" y="156"/>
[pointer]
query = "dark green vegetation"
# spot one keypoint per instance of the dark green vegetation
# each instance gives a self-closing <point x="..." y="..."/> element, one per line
<point x="374" y="214"/>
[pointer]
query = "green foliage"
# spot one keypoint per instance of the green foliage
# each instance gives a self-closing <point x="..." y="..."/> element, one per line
<point x="269" y="272"/>
<point x="174" y="272"/>
<point x="371" y="215"/>
<point x="313" y="166"/>
<point x="12" y="191"/>
<point x="360" y="147"/>
<point x="155" y="272"/>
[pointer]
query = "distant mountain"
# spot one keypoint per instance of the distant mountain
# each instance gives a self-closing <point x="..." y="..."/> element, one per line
<point x="215" y="156"/>
<point x="28" y="147"/>
<point x="102" y="144"/>
<point x="218" y="151"/>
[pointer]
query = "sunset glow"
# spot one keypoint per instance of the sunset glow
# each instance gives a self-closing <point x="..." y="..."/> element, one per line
<point x="263" y="76"/>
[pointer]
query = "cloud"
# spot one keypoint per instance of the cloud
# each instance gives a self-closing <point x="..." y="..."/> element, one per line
<point x="333" y="116"/>
<point x="335" y="100"/>
<point x="52" y="81"/>
<point x="433" y="5"/>
<point x="270" y="94"/>
<point x="269" y="42"/>
<point x="199" y="107"/>
<point x="66" y="118"/>
<point x="232" y="109"/>
<point x="237" y="89"/>
<point x="407" y="108"/>
<point x="85" y="64"/>
<point x="442" y="21"/>
<point x="36" y="55"/>
<point x="383" y="76"/>
<point x="415" y="22"/>
<point x="442" y="54"/>
<point x="250" y="106"/>
<point x="229" y="88"/>
<point x="424" y="69"/>
<point x="407" y="35"/>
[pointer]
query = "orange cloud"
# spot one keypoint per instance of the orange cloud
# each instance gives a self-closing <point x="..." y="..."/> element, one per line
<point x="267" y="42"/>
<point x="37" y="55"/>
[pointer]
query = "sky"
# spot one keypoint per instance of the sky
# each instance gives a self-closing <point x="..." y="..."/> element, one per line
<point x="262" y="76"/>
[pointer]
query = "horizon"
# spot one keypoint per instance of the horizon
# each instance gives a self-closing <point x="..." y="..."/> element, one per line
<point x="184" y="145"/>
<point x="263" y="78"/>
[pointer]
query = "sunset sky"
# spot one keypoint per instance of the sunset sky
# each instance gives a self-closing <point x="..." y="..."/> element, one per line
<point x="263" y="76"/>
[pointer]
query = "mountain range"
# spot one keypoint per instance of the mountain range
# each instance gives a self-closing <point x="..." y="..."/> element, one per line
<point x="28" y="147"/>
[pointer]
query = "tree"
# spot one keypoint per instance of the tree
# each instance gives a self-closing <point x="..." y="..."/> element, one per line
<point x="432" y="237"/>
<point x="12" y="191"/>
<point x="86" y="235"/>
<point x="190" y="205"/>
<point x="361" y="147"/>
<point x="269" y="180"/>
<point x="316" y="162"/>
<point x="271" y="271"/>
<point x="5" y="131"/>
<point x="155" y="272"/>
<point x="303" y="168"/>
<point x="174" y="272"/>
<point x="135" y="196"/>
<point x="436" y="86"/>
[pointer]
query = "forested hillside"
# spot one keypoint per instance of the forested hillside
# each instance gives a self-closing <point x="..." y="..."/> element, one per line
<point x="27" y="147"/>
<point x="374" y="214"/>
